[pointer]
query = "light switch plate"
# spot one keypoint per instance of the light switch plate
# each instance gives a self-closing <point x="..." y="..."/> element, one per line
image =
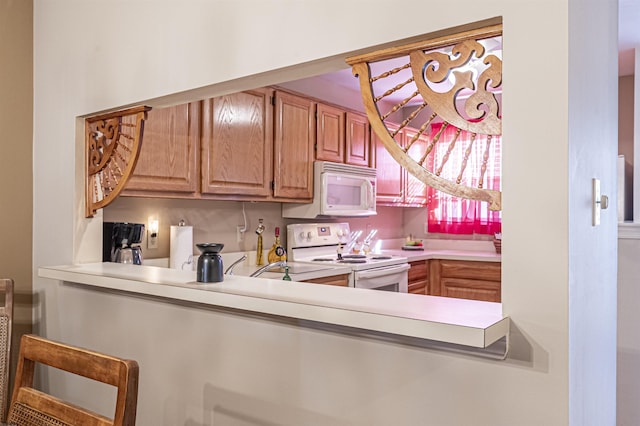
<point x="596" y="201"/>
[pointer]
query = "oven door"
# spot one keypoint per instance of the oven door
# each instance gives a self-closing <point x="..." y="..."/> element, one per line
<point x="387" y="278"/>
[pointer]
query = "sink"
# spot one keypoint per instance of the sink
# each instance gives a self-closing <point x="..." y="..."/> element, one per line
<point x="298" y="269"/>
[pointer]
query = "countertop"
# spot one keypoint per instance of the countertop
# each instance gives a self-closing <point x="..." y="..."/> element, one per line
<point x="453" y="321"/>
<point x="450" y="254"/>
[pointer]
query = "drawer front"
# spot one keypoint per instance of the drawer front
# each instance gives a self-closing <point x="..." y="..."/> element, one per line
<point x="488" y="271"/>
<point x="339" y="280"/>
<point x="488" y="291"/>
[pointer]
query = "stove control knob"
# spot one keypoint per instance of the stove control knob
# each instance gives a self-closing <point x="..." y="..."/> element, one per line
<point x="339" y="233"/>
<point x="309" y="235"/>
<point x="302" y="235"/>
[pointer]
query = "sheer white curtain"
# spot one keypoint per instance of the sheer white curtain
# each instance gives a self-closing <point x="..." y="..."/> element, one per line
<point x="452" y="215"/>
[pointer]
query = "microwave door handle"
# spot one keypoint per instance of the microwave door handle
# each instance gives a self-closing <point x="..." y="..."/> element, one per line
<point x="369" y="192"/>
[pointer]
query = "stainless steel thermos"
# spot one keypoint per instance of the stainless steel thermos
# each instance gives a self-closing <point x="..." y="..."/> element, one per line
<point x="209" y="268"/>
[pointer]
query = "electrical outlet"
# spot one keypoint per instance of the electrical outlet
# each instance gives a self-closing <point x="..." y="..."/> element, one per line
<point x="152" y="240"/>
<point x="152" y="234"/>
<point x="240" y="233"/>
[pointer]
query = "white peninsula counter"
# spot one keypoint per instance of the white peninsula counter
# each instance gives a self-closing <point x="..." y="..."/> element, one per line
<point x="468" y="323"/>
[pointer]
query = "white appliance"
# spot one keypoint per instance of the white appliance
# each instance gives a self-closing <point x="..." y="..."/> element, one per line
<point x="320" y="243"/>
<point x="338" y="190"/>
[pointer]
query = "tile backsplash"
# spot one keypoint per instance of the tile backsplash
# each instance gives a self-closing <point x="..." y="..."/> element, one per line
<point x="217" y="221"/>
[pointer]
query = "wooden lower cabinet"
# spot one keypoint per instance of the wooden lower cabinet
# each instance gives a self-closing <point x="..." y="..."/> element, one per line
<point x="465" y="279"/>
<point x="339" y="280"/>
<point x="419" y="277"/>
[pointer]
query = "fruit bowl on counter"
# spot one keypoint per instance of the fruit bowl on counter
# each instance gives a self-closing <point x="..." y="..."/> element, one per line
<point x="411" y="244"/>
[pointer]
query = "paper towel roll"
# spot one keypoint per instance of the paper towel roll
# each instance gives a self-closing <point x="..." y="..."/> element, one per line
<point x="181" y="247"/>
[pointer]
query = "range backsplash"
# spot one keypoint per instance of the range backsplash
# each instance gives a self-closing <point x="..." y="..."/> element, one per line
<point x="217" y="221"/>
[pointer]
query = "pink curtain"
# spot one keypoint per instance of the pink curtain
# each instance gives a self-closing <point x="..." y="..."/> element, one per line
<point x="452" y="215"/>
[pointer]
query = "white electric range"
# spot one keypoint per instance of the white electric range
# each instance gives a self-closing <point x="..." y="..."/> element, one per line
<point x="325" y="243"/>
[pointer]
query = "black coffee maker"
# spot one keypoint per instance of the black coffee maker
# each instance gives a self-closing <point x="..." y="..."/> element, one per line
<point x="121" y="242"/>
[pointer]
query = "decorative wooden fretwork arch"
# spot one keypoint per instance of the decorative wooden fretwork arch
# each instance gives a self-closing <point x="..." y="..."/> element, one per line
<point x="113" y="143"/>
<point x="440" y="72"/>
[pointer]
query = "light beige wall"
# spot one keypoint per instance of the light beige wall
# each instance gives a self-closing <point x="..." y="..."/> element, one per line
<point x="16" y="112"/>
<point x="216" y="221"/>
<point x="592" y="250"/>
<point x="185" y="46"/>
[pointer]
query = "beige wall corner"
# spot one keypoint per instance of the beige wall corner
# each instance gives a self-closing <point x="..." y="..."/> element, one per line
<point x="16" y="159"/>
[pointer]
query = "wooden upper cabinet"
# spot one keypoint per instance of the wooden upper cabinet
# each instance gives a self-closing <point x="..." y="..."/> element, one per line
<point x="168" y="162"/>
<point x="357" y="140"/>
<point x="390" y="175"/>
<point x="330" y="133"/>
<point x="237" y="144"/>
<point x="295" y="130"/>
<point x="415" y="193"/>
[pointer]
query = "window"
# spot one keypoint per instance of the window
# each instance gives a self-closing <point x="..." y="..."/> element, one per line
<point x="453" y="215"/>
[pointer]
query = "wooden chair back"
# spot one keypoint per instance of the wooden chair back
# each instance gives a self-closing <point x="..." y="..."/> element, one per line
<point x="6" y="325"/>
<point x="31" y="407"/>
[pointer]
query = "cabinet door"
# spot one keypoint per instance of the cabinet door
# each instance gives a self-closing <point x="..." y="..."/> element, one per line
<point x="466" y="279"/>
<point x="415" y="190"/>
<point x="488" y="291"/>
<point x="330" y="132"/>
<point x="419" y="277"/>
<point x="390" y="175"/>
<point x="168" y="161"/>
<point x="237" y="144"/>
<point x="293" y="147"/>
<point x="357" y="140"/>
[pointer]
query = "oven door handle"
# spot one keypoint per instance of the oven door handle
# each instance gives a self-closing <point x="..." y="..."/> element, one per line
<point x="381" y="272"/>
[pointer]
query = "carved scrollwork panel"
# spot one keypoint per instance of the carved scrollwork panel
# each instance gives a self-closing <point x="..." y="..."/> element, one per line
<point x="113" y="145"/>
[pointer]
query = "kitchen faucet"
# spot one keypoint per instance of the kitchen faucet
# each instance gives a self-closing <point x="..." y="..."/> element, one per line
<point x="229" y="270"/>
<point x="260" y="271"/>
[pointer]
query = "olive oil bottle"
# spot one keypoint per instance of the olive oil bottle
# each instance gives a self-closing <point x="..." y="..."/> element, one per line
<point x="276" y="252"/>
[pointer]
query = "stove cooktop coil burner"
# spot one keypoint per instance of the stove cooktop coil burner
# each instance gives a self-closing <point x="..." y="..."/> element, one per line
<point x="380" y="257"/>
<point x="322" y="259"/>
<point x="354" y="256"/>
<point x="352" y="261"/>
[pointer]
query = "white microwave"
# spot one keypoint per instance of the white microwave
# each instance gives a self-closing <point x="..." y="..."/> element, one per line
<point x="338" y="190"/>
